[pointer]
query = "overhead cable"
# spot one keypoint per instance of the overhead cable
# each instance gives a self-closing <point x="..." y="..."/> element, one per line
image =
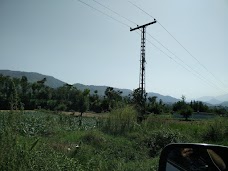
<point x="179" y="44"/>
<point x="194" y="73"/>
<point x="115" y="12"/>
<point x="103" y="13"/>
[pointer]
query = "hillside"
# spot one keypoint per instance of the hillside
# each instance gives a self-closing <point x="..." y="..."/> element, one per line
<point x="33" y="77"/>
<point x="55" y="83"/>
<point x="214" y="101"/>
<point x="222" y="97"/>
<point x="218" y="100"/>
<point x="126" y="92"/>
<point x="165" y="99"/>
<point x="100" y="89"/>
<point x="225" y="104"/>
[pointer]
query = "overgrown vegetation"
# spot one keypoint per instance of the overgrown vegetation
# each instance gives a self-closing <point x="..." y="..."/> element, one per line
<point x="45" y="138"/>
<point x="18" y="93"/>
<point x="40" y="140"/>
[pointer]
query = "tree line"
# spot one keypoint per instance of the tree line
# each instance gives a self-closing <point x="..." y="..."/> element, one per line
<point x="18" y="93"/>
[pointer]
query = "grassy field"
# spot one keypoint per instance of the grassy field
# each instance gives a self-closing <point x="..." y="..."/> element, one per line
<point x="42" y="140"/>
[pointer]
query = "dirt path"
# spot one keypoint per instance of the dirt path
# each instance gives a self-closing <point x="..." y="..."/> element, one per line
<point x="86" y="114"/>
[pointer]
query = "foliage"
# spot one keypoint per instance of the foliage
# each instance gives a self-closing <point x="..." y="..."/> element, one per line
<point x="156" y="107"/>
<point x="119" y="121"/>
<point x="95" y="103"/>
<point x="183" y="108"/>
<point x="47" y="140"/>
<point x="215" y="130"/>
<point x="186" y="111"/>
<point x="139" y="98"/>
<point x="42" y="140"/>
<point x="198" y="106"/>
<point x="20" y="153"/>
<point x="18" y="93"/>
<point x="220" y="110"/>
<point x="158" y="139"/>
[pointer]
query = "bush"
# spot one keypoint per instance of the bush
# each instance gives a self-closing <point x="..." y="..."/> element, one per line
<point x="93" y="138"/>
<point x="157" y="140"/>
<point x="61" y="107"/>
<point x="186" y="111"/>
<point x="215" y="131"/>
<point x="19" y="155"/>
<point x="119" y="121"/>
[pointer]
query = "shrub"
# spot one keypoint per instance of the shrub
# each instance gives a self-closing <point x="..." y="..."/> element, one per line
<point x="61" y="107"/>
<point x="157" y="140"/>
<point x="215" y="131"/>
<point x="119" y="121"/>
<point x="93" y="138"/>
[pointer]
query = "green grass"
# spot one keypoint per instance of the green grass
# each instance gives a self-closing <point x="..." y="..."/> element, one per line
<point x="43" y="140"/>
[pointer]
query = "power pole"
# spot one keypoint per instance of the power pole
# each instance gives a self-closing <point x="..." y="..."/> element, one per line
<point x="142" y="62"/>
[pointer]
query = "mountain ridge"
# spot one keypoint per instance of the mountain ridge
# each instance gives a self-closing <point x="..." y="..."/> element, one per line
<point x="55" y="83"/>
<point x="33" y="77"/>
<point x="218" y="100"/>
<point x="126" y="92"/>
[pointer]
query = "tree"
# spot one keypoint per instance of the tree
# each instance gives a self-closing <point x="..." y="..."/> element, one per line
<point x="155" y="107"/>
<point x="83" y="103"/>
<point x="112" y="98"/>
<point x="183" y="108"/>
<point x="183" y="98"/>
<point x="13" y="98"/>
<point x="4" y="92"/>
<point x="25" y="93"/>
<point x="152" y="100"/>
<point x="139" y="100"/>
<point x="186" y="111"/>
<point x="95" y="102"/>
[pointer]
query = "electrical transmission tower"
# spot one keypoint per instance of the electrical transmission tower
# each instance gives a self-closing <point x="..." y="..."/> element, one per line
<point x="142" y="61"/>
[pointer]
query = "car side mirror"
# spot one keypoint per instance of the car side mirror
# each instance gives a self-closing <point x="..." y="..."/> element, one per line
<point x="193" y="157"/>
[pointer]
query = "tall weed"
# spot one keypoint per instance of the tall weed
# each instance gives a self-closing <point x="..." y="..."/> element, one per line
<point x="119" y="121"/>
<point x="215" y="131"/>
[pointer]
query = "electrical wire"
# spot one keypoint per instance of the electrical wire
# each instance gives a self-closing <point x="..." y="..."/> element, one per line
<point x="180" y="44"/>
<point x="141" y="9"/>
<point x="103" y="13"/>
<point x="115" y="12"/>
<point x="199" y="76"/>
<point x="182" y="61"/>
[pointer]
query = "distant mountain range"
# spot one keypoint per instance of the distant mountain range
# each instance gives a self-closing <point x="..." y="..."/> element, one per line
<point x="126" y="92"/>
<point x="224" y="104"/>
<point x="100" y="89"/>
<point x="55" y="83"/>
<point x="33" y="77"/>
<point x="218" y="100"/>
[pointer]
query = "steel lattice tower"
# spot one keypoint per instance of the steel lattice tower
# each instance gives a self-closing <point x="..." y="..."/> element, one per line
<point x="142" y="60"/>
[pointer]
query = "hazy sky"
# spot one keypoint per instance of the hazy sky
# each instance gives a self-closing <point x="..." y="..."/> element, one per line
<point x="77" y="44"/>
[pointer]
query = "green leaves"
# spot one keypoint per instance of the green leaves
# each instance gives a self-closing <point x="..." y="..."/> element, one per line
<point x="183" y="108"/>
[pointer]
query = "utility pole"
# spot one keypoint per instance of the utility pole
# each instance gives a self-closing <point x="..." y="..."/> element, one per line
<point x="142" y="62"/>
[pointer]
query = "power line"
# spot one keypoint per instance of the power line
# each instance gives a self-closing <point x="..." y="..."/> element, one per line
<point x="115" y="12"/>
<point x="191" y="54"/>
<point x="141" y="9"/>
<point x="179" y="44"/>
<point x="205" y="80"/>
<point x="202" y="79"/>
<point x="104" y="13"/>
<point x="182" y="60"/>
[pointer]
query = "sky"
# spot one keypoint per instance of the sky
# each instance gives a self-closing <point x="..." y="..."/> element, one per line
<point x="89" y="42"/>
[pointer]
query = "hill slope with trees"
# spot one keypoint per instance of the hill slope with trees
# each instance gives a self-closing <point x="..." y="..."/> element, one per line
<point x="55" y="83"/>
<point x="34" y="77"/>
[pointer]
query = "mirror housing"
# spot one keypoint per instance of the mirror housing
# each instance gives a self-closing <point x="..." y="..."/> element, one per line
<point x="189" y="156"/>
